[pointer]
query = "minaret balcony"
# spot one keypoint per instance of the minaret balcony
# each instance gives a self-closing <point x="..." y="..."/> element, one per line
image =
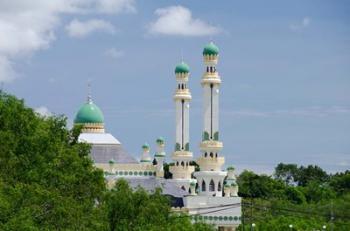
<point x="210" y="163"/>
<point x="211" y="145"/>
<point x="182" y="94"/>
<point x="182" y="155"/>
<point x="209" y="78"/>
<point x="182" y="172"/>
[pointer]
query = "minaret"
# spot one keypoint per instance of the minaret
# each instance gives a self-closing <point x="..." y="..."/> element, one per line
<point x="182" y="156"/>
<point x="145" y="157"/>
<point x="159" y="156"/>
<point x="210" y="178"/>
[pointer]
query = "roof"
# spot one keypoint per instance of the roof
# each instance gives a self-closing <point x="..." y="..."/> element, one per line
<point x="150" y="184"/>
<point x="103" y="153"/>
<point x="89" y="113"/>
<point x="211" y="49"/>
<point x="182" y="68"/>
<point x="98" y="138"/>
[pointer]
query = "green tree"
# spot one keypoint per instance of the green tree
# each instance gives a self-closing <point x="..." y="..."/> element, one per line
<point x="129" y="209"/>
<point x="47" y="179"/>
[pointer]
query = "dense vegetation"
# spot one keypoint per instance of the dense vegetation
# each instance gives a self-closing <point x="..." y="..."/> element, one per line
<point x="48" y="182"/>
<point x="306" y="197"/>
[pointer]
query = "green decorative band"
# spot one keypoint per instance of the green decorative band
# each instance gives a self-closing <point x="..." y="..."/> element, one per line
<point x="145" y="160"/>
<point x="159" y="154"/>
<point x="216" y="136"/>
<point x="177" y="147"/>
<point x="187" y="146"/>
<point x="205" y="136"/>
<point x="215" y="218"/>
<point x="134" y="173"/>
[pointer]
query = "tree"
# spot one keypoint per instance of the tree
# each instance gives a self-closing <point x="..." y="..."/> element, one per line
<point x="286" y="172"/>
<point x="47" y="179"/>
<point x="140" y="210"/>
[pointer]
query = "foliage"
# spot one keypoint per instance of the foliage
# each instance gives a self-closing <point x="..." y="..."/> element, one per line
<point x="48" y="181"/>
<point x="129" y="209"/>
<point x="305" y="197"/>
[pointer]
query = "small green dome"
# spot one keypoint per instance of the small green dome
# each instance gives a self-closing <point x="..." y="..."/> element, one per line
<point x="89" y="113"/>
<point x="211" y="49"/>
<point x="145" y="146"/>
<point x="182" y="68"/>
<point x="160" y="140"/>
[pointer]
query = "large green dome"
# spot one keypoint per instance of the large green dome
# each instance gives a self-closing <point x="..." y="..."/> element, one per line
<point x="211" y="49"/>
<point x="182" y="68"/>
<point x="89" y="113"/>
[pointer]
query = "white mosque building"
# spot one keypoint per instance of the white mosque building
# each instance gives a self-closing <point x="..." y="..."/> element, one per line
<point x="208" y="195"/>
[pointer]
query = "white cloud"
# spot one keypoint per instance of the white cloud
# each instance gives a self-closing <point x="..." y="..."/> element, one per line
<point x="177" y="20"/>
<point x="116" y="6"/>
<point x="114" y="53"/>
<point x="29" y="26"/>
<point x="79" y="29"/>
<point x="43" y="111"/>
<point x="300" y="25"/>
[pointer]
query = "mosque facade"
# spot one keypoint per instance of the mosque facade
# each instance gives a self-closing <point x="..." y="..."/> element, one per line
<point x="209" y="193"/>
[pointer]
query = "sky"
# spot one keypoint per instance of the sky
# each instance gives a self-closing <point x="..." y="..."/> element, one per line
<point x="285" y="69"/>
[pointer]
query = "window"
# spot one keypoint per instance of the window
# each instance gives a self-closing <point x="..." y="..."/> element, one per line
<point x="205" y="154"/>
<point x="212" y="186"/>
<point x="211" y="155"/>
<point x="203" y="186"/>
<point x="183" y="188"/>
<point x="216" y="155"/>
<point x="182" y="163"/>
<point x="219" y="186"/>
<point x="207" y="69"/>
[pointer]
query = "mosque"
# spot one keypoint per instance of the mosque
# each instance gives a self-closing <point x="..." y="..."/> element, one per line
<point x="207" y="194"/>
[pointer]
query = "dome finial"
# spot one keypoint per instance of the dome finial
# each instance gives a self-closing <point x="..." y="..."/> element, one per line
<point x="89" y="98"/>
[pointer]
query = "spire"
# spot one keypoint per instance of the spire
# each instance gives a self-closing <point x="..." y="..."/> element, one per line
<point x="89" y="98"/>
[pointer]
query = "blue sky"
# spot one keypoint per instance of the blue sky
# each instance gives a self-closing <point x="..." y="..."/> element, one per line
<point x="285" y="68"/>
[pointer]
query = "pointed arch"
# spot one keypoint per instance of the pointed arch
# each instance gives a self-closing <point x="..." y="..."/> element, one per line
<point x="203" y="186"/>
<point x="212" y="186"/>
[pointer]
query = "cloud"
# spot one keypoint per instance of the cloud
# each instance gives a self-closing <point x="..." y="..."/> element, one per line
<point x="314" y="111"/>
<point x="301" y="25"/>
<point x="116" y="6"/>
<point x="177" y="20"/>
<point x="43" y="111"/>
<point x="114" y="53"/>
<point x="29" y="26"/>
<point x="79" y="29"/>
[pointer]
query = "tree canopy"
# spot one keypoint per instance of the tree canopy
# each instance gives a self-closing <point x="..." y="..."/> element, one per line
<point x="48" y="181"/>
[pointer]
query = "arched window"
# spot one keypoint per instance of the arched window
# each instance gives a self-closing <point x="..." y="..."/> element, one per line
<point x="203" y="186"/>
<point x="189" y="190"/>
<point x="177" y="163"/>
<point x="207" y="69"/>
<point x="182" y="163"/>
<point x="212" y="186"/>
<point x="182" y="86"/>
<point x="205" y="154"/>
<point x="211" y="69"/>
<point x="178" y="86"/>
<point x="216" y="155"/>
<point x="211" y="155"/>
<point x="183" y="188"/>
<point x="219" y="186"/>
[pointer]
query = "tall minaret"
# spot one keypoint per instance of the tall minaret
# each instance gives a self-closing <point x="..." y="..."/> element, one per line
<point x="210" y="177"/>
<point x="182" y="156"/>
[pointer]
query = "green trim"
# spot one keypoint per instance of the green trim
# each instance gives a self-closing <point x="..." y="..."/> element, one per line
<point x="145" y="161"/>
<point x="160" y="140"/>
<point x="159" y="154"/>
<point x="177" y="147"/>
<point x="230" y="168"/>
<point x="216" y="136"/>
<point x="187" y="146"/>
<point x="205" y="136"/>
